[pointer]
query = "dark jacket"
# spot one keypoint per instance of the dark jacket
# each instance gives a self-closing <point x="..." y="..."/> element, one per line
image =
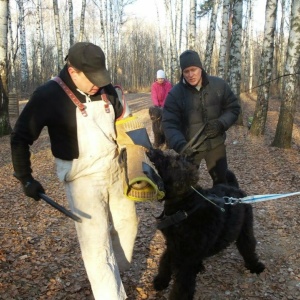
<point x="186" y="110"/>
<point x="49" y="106"/>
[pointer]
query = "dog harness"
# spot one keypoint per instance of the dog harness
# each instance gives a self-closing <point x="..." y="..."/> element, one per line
<point x="165" y="221"/>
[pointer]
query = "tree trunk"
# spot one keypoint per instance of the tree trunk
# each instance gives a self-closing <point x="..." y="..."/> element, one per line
<point x="284" y="129"/>
<point x="4" y="115"/>
<point x="24" y="63"/>
<point x="235" y="52"/>
<point x="266" y="66"/>
<point x="192" y="24"/>
<point x="282" y="48"/>
<point x="60" y="59"/>
<point x="82" y="20"/>
<point x="71" y="23"/>
<point x="211" y="36"/>
<point x="39" y="45"/>
<point x="222" y="67"/>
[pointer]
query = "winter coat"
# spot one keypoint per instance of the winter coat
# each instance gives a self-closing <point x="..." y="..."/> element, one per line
<point x="159" y="92"/>
<point x="49" y="106"/>
<point x="186" y="110"/>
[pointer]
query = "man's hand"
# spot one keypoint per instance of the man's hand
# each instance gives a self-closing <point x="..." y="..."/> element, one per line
<point x="32" y="188"/>
<point x="214" y="128"/>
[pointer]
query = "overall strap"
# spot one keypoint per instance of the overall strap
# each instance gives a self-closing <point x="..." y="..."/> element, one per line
<point x="75" y="100"/>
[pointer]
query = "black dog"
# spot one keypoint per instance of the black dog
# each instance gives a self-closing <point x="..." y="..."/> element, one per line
<point x="194" y="225"/>
<point x="155" y="114"/>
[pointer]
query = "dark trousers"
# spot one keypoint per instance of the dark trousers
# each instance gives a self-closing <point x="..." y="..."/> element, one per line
<point x="216" y="162"/>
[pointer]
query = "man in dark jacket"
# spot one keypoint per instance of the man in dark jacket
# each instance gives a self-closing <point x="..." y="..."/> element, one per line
<point x="81" y="125"/>
<point x="197" y="112"/>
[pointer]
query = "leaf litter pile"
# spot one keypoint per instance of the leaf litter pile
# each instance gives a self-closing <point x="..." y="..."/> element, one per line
<point x="40" y="256"/>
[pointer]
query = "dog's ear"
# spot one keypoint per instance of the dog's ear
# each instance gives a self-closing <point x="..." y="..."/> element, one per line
<point x="154" y="154"/>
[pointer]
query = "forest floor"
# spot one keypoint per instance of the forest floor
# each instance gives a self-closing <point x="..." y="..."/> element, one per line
<point x="40" y="256"/>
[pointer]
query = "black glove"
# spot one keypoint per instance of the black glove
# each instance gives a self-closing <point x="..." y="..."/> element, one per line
<point x="214" y="128"/>
<point x="189" y="153"/>
<point x="32" y="188"/>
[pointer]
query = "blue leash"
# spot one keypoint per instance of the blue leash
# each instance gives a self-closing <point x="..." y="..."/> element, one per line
<point x="248" y="199"/>
<point x="258" y="198"/>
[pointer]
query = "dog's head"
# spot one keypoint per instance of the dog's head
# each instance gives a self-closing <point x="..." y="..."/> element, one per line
<point x="177" y="172"/>
<point x="155" y="113"/>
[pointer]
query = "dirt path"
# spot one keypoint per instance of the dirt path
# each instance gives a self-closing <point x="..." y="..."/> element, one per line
<point x="40" y="257"/>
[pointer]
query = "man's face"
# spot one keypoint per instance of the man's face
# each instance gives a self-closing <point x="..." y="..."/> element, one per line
<point x="82" y="82"/>
<point x="192" y="75"/>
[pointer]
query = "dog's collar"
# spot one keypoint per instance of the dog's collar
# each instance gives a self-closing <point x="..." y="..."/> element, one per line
<point x="165" y="221"/>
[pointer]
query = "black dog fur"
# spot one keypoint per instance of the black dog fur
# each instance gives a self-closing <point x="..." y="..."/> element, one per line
<point x="155" y="114"/>
<point x="204" y="232"/>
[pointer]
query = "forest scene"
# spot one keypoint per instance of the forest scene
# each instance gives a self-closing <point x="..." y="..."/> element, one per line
<point x="254" y="45"/>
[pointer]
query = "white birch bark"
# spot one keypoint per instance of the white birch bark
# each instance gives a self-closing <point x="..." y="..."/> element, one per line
<point x="284" y="129"/>
<point x="71" y="22"/>
<point x="23" y="48"/>
<point x="3" y="41"/>
<point x="222" y="66"/>
<point x="248" y="49"/>
<point x="192" y="24"/>
<point x="173" y="48"/>
<point x="266" y="67"/>
<point x="4" y="117"/>
<point x="235" y="51"/>
<point x="211" y="36"/>
<point x="250" y="42"/>
<point x="11" y="53"/>
<point x="82" y="20"/>
<point x="282" y="48"/>
<point x="60" y="59"/>
<point x="178" y="24"/>
<point x="38" y="40"/>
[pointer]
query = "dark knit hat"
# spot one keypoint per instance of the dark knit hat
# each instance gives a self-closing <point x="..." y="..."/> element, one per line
<point x="89" y="59"/>
<point x="190" y="58"/>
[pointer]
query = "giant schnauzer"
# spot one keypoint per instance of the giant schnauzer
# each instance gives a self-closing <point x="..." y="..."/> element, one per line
<point x="198" y="223"/>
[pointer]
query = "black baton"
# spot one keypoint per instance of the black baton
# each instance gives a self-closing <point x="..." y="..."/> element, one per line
<point x="60" y="208"/>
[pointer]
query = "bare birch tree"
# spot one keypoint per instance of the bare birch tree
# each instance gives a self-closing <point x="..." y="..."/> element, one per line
<point x="281" y="45"/>
<point x="173" y="47"/>
<point x="178" y="23"/>
<point x="266" y="67"/>
<point x="211" y="36"/>
<point x="38" y="46"/>
<point x="60" y="59"/>
<point x="82" y="20"/>
<point x="235" y="51"/>
<point x="23" y="48"/>
<point x="225" y="39"/>
<point x="192" y="24"/>
<point x="4" y="116"/>
<point x="71" y="22"/>
<point x="12" y="54"/>
<point x="284" y="129"/>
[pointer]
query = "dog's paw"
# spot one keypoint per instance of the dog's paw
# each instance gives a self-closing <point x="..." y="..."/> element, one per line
<point x="160" y="283"/>
<point x="257" y="268"/>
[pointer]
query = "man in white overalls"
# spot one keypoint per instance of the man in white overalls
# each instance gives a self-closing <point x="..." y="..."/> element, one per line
<point x="81" y="126"/>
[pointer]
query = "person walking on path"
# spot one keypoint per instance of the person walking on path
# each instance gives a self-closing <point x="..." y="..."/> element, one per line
<point x="81" y="127"/>
<point x="160" y="89"/>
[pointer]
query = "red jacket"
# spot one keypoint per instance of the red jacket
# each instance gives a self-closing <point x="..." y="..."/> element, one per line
<point x="159" y="92"/>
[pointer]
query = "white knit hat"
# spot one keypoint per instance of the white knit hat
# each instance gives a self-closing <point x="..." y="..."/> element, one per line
<point x="160" y="74"/>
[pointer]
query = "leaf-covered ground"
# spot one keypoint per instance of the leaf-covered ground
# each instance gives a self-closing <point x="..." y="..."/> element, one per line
<point x="40" y="256"/>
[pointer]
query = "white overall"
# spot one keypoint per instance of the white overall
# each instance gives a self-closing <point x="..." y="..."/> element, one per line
<point x="94" y="191"/>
